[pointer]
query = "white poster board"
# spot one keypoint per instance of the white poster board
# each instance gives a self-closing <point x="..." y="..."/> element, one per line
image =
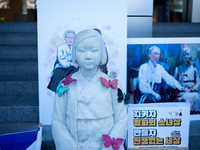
<point x="163" y="125"/>
<point x="171" y="50"/>
<point x="55" y="17"/>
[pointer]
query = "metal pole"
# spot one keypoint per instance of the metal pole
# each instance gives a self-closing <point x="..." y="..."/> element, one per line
<point x="168" y="11"/>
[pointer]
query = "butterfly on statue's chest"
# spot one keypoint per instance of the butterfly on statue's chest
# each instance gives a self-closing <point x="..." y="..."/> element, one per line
<point x="123" y="97"/>
<point x="115" y="142"/>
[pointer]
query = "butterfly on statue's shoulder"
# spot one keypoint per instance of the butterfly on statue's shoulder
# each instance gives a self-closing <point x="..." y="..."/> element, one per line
<point x="123" y="97"/>
<point x="110" y="83"/>
<point x="68" y="80"/>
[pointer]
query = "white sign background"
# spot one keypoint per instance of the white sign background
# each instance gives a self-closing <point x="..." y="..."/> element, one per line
<point x="55" y="17"/>
<point x="164" y="110"/>
<point x="191" y="40"/>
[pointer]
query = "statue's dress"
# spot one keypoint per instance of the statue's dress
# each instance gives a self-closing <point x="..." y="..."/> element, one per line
<point x="85" y="112"/>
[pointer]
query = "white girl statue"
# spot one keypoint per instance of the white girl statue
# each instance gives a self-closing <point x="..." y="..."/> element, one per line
<point x="86" y="105"/>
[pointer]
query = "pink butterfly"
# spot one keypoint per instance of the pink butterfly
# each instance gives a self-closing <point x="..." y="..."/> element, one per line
<point x="68" y="79"/>
<point x="115" y="142"/>
<point x="109" y="83"/>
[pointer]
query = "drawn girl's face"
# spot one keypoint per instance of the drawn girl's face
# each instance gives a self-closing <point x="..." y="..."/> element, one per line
<point x="70" y="38"/>
<point x="88" y="54"/>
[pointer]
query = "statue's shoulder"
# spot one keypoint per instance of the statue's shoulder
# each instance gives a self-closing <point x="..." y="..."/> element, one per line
<point x="105" y="76"/>
<point x="63" y="85"/>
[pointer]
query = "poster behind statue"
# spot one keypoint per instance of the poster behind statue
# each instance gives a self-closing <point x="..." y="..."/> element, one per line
<point x="58" y="24"/>
<point x="180" y="59"/>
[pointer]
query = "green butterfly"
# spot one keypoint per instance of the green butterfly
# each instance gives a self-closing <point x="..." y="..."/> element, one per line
<point x="60" y="89"/>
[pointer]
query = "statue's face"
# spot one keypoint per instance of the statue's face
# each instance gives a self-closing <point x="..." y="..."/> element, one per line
<point x="88" y="53"/>
<point x="186" y="56"/>
<point x="155" y="55"/>
<point x="70" y="38"/>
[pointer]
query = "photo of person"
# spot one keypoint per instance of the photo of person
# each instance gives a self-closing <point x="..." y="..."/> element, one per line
<point x="151" y="78"/>
<point x="164" y="73"/>
<point x="63" y="65"/>
<point x="188" y="75"/>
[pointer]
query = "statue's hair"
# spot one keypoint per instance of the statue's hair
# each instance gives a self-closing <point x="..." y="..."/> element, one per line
<point x="85" y="34"/>
<point x="152" y="48"/>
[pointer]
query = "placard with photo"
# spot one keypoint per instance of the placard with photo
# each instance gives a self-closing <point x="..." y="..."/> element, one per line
<point x="164" y="70"/>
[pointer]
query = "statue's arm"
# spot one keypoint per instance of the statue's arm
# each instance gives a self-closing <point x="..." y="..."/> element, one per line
<point x="60" y="131"/>
<point x="119" y="129"/>
<point x="197" y="84"/>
